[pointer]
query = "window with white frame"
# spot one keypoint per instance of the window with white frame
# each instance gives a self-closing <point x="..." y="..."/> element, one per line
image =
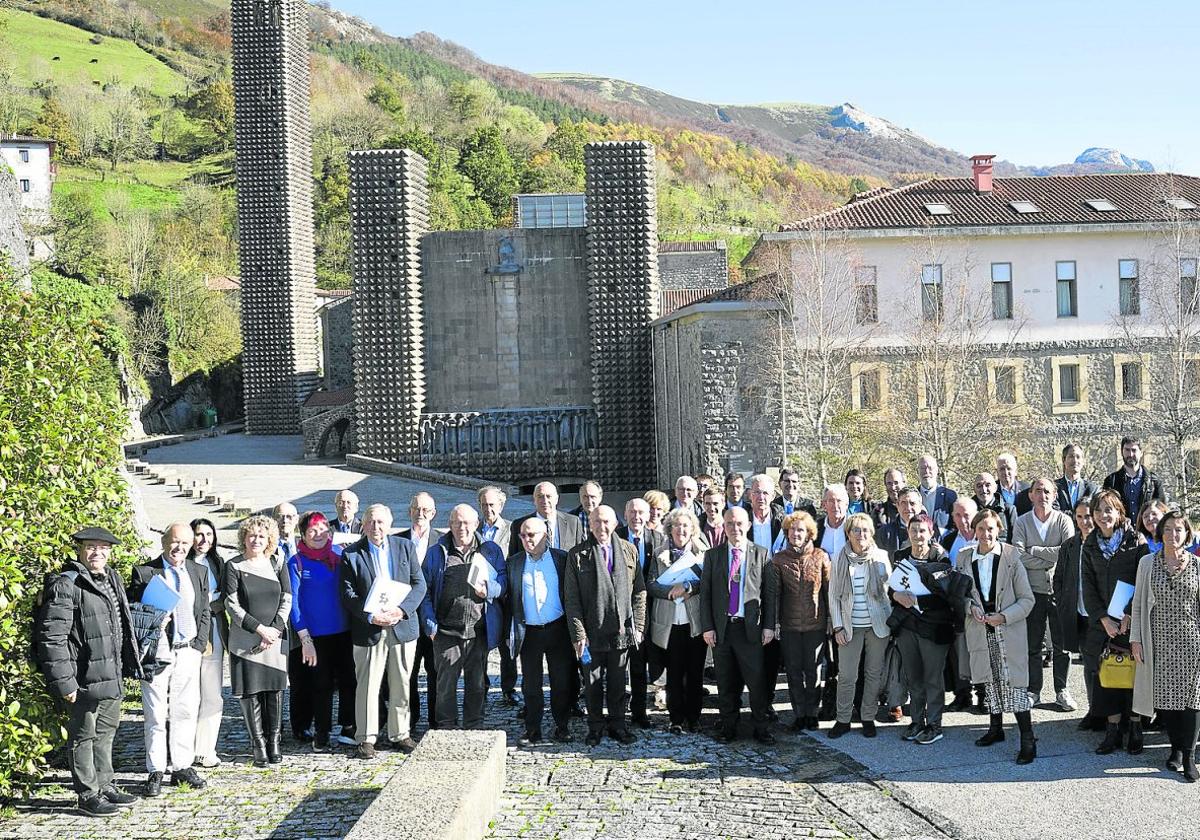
<point x="1068" y="303"/>
<point x="1130" y="295"/>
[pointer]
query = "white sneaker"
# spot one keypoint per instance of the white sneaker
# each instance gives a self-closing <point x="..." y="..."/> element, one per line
<point x="660" y="699"/>
<point x="1065" y="701"/>
<point x="208" y="761"/>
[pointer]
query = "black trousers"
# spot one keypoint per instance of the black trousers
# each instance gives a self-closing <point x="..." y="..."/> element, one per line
<point x="424" y="656"/>
<point x="604" y="679"/>
<point x="924" y="666"/>
<point x="334" y="669"/>
<point x="1045" y="612"/>
<point x="684" y="657"/>
<point x="801" y="652"/>
<point x="1183" y="728"/>
<point x="508" y="670"/>
<point x="90" y="731"/>
<point x="645" y="666"/>
<point x="772" y="663"/>
<point x="739" y="663"/>
<point x="549" y="645"/>
<point x="302" y="681"/>
<point x="466" y="658"/>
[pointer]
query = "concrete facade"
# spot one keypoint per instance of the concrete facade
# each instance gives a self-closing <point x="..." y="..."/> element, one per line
<point x="511" y="340"/>
<point x="337" y="344"/>
<point x="275" y="227"/>
<point x="389" y="213"/>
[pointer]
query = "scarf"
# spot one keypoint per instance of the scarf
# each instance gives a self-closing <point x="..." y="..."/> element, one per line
<point x="1109" y="545"/>
<point x="327" y="556"/>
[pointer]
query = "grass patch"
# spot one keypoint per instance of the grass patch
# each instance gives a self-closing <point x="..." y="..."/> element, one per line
<point x="40" y="48"/>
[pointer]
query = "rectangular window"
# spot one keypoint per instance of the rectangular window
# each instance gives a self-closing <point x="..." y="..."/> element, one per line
<point x="1131" y="302"/>
<point x="868" y="390"/>
<point x="24" y="185"/>
<point x="1006" y="385"/>
<point x="1187" y="286"/>
<point x="24" y="153"/>
<point x="1131" y="381"/>
<point x="866" y="295"/>
<point x="931" y="292"/>
<point x="1068" y="383"/>
<point x="1002" y="300"/>
<point x="1064" y="272"/>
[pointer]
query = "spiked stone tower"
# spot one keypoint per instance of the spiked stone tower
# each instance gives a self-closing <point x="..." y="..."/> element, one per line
<point x="389" y="213"/>
<point x="623" y="298"/>
<point x="275" y="227"/>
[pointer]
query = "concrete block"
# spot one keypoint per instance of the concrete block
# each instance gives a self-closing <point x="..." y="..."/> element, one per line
<point x="448" y="789"/>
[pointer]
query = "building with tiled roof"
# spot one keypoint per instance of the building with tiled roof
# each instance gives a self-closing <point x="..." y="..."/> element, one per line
<point x="1060" y="289"/>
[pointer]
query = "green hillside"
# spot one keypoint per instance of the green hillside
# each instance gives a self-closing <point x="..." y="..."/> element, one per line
<point x="39" y="49"/>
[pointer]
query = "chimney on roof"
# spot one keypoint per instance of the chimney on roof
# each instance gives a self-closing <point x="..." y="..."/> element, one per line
<point x="981" y="172"/>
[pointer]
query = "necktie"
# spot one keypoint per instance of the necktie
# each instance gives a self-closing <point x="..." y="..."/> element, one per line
<point x="607" y="551"/>
<point x="637" y="543"/>
<point x="788" y="507"/>
<point x="552" y="537"/>
<point x="182" y="618"/>
<point x="735" y="582"/>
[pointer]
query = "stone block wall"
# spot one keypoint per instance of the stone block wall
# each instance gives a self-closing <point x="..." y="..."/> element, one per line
<point x="337" y="344"/>
<point x="389" y="214"/>
<point x="623" y="292"/>
<point x="273" y="163"/>
<point x="693" y="265"/>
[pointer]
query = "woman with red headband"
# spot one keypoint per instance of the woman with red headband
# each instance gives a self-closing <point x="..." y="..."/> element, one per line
<point x="322" y="627"/>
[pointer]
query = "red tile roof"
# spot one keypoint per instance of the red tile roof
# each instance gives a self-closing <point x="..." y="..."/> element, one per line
<point x="1061" y="199"/>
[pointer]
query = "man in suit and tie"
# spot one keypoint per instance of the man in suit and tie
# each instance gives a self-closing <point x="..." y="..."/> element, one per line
<point x="606" y="616"/>
<point x="739" y="594"/>
<point x="384" y="641"/>
<point x="466" y="579"/>
<point x="735" y="489"/>
<point x="1072" y="488"/>
<point x="894" y="536"/>
<point x="346" y="520"/>
<point x="1014" y="491"/>
<point x="422" y="510"/>
<point x="645" y="666"/>
<point x="937" y="499"/>
<point x="591" y="496"/>
<point x="564" y="531"/>
<point x="1136" y="484"/>
<point x="537" y="594"/>
<point x="687" y="493"/>
<point x="173" y="695"/>
<point x="765" y="522"/>
<point x="287" y="518"/>
<point x="831" y="533"/>
<point x="493" y="527"/>
<point x="789" y="499"/>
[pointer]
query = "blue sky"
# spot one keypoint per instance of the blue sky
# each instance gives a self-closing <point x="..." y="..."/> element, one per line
<point x="1035" y="83"/>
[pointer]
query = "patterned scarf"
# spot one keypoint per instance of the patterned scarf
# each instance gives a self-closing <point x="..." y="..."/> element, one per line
<point x="1109" y="545"/>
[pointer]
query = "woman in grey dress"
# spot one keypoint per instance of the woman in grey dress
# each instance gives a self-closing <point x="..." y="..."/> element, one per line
<point x="1165" y="640"/>
<point x="258" y="597"/>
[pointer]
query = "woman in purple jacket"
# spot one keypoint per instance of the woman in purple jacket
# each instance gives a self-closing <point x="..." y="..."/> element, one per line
<point x="322" y="626"/>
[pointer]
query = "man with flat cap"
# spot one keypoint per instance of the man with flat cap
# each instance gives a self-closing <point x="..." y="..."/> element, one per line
<point x="85" y="641"/>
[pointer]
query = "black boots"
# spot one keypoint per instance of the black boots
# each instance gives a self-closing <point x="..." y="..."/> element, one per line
<point x="995" y="733"/>
<point x="252" y="714"/>
<point x="1112" y="739"/>
<point x="1136" y="740"/>
<point x="1028" y="750"/>
<point x="272" y="702"/>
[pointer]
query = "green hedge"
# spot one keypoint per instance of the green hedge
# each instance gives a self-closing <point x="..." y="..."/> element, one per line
<point x="60" y="430"/>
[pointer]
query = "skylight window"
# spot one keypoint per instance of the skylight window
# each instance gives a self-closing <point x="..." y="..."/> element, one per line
<point x="939" y="208"/>
<point x="1101" y="204"/>
<point x="1180" y="203"/>
<point x="1024" y="207"/>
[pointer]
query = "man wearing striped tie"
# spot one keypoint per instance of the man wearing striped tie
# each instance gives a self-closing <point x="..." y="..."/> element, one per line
<point x="738" y="600"/>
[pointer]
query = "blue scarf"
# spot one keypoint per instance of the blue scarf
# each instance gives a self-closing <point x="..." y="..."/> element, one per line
<point x="1109" y="546"/>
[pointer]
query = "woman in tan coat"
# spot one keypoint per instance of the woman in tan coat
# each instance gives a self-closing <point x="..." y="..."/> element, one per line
<point x="858" y="612"/>
<point x="1165" y="639"/>
<point x="995" y="631"/>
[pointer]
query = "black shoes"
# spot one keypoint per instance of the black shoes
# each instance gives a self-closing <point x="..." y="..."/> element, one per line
<point x="96" y="806"/>
<point x="913" y="731"/>
<point x="764" y="736"/>
<point x="511" y="698"/>
<point x="1175" y="762"/>
<point x="365" y="751"/>
<point x="675" y="729"/>
<point x="868" y="729"/>
<point x="529" y="739"/>
<point x="725" y="736"/>
<point x="1112" y="739"/>
<point x="961" y="703"/>
<point x="1028" y="750"/>
<point x="153" y="785"/>
<point x="1136" y="742"/>
<point x="562" y="735"/>
<point x="994" y="735"/>
<point x="321" y="742"/>
<point x="593" y="739"/>
<point x="840" y="729"/>
<point x="115" y="796"/>
<point x="188" y="776"/>
<point x="623" y="736"/>
<point x="404" y="745"/>
<point x="641" y="722"/>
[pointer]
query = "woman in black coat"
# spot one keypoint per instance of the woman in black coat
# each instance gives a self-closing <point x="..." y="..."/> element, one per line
<point x="1110" y="555"/>
<point x="1068" y="589"/>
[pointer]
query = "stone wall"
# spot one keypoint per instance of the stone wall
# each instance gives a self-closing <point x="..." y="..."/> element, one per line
<point x="13" y="244"/>
<point x="337" y="345"/>
<point x="516" y="338"/>
<point x="693" y="265"/>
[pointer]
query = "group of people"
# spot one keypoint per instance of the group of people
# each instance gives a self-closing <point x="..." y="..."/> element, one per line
<point x="862" y="603"/>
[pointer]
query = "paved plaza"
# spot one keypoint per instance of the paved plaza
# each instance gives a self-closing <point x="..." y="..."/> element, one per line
<point x="662" y="787"/>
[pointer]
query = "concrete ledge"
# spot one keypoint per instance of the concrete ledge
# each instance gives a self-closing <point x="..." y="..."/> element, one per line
<point x="415" y="473"/>
<point x="448" y="789"/>
<point x="138" y="448"/>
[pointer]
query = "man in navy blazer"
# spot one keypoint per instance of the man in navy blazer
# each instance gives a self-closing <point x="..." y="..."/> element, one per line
<point x="384" y="641"/>
<point x="462" y="615"/>
<point x="537" y="595"/>
<point x="1072" y="488"/>
<point x="937" y="499"/>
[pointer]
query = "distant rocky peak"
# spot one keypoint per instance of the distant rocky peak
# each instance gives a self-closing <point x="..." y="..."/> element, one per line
<point x="1112" y="160"/>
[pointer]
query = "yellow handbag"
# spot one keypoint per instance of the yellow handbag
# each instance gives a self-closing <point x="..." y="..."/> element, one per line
<point x="1116" y="668"/>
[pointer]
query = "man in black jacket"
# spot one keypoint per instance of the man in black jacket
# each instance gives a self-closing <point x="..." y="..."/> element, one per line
<point x="1136" y="484"/>
<point x="987" y="496"/>
<point x="1072" y="487"/>
<point x="645" y="665"/>
<point x="173" y="695"/>
<point x="86" y="610"/>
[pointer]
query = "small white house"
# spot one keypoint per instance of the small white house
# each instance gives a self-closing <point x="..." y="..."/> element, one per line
<point x="32" y="164"/>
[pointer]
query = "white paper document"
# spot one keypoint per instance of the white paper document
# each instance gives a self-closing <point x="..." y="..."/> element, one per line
<point x="1121" y="597"/>
<point x="905" y="578"/>
<point x="679" y="572"/>
<point x="386" y="594"/>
